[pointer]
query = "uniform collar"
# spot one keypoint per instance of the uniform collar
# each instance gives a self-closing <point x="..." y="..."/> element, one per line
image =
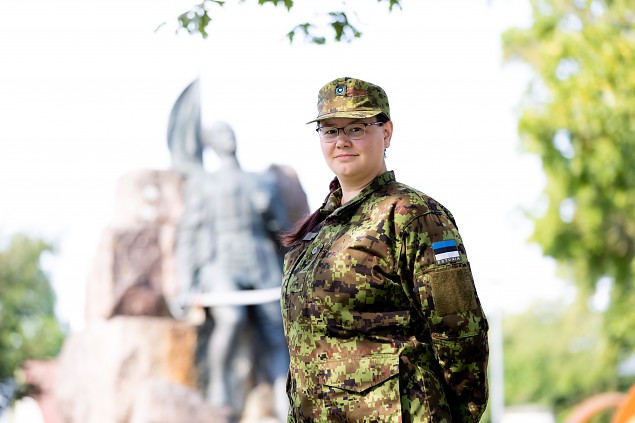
<point x="332" y="204"/>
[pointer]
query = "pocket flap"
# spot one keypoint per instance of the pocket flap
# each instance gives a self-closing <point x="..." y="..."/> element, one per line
<point x="358" y="374"/>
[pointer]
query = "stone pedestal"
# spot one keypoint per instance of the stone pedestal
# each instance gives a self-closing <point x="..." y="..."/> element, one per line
<point x="134" y="268"/>
<point x="133" y="362"/>
<point x="104" y="370"/>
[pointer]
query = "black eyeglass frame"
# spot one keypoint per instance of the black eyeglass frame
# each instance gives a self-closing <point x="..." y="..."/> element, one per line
<point x="365" y="124"/>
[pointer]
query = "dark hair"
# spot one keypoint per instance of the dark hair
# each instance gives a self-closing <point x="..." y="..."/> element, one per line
<point x="382" y="118"/>
<point x="304" y="225"/>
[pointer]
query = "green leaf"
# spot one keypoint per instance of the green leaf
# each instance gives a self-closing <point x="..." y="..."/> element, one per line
<point x="28" y="327"/>
<point x="197" y="19"/>
<point x="582" y="55"/>
<point x="392" y="4"/>
<point x="287" y="3"/>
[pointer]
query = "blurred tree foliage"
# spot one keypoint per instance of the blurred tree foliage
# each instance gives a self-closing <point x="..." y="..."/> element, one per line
<point x="28" y="327"/>
<point x="579" y="118"/>
<point x="556" y="355"/>
<point x="197" y="19"/>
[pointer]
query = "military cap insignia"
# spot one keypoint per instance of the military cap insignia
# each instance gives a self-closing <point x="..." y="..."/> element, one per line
<point x="340" y="90"/>
<point x="446" y="251"/>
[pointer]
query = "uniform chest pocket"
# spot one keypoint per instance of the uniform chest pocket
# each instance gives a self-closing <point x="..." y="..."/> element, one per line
<point x="362" y="388"/>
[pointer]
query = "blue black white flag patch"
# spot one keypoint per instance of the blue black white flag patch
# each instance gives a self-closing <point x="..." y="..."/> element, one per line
<point x="446" y="251"/>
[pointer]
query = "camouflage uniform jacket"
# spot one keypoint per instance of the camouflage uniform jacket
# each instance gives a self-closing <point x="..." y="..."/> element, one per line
<point x="381" y="314"/>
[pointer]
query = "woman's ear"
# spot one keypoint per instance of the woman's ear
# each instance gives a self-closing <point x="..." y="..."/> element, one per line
<point x="387" y="127"/>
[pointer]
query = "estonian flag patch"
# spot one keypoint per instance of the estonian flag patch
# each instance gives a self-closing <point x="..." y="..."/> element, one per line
<point x="446" y="251"/>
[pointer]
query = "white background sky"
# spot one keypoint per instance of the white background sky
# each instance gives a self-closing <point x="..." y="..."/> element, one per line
<point x="86" y="88"/>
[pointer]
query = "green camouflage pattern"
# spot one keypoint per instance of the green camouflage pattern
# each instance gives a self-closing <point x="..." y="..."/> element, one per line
<point x="378" y="331"/>
<point x="351" y="98"/>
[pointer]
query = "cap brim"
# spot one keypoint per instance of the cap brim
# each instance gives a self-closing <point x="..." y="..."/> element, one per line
<point x="351" y="115"/>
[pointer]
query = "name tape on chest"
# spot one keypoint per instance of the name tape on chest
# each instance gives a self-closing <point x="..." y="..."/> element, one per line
<point x="446" y="251"/>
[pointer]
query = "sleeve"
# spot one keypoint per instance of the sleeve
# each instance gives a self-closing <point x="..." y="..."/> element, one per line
<point x="445" y="292"/>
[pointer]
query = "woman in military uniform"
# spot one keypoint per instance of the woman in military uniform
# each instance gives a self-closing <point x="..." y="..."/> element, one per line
<point x="381" y="314"/>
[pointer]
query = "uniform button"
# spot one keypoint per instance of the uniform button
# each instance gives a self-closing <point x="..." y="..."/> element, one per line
<point x="315" y="250"/>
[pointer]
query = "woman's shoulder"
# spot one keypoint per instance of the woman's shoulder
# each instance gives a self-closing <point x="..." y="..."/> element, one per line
<point x="408" y="200"/>
<point x="412" y="209"/>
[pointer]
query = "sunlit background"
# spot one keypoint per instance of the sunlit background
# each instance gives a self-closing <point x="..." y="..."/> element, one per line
<point x="86" y="89"/>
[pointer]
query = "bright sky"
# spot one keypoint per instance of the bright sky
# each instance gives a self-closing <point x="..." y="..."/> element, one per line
<point x="86" y="88"/>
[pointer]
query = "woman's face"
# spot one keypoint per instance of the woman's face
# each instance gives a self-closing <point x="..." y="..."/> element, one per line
<point x="357" y="162"/>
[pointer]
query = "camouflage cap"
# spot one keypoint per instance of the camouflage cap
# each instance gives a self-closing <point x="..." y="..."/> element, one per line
<point x="351" y="98"/>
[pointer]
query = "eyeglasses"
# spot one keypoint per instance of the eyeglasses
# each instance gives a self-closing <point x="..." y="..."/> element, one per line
<point x="354" y="131"/>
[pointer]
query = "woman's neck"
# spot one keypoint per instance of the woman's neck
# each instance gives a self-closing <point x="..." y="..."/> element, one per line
<point x="350" y="190"/>
<point x="348" y="195"/>
<point x="352" y="187"/>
